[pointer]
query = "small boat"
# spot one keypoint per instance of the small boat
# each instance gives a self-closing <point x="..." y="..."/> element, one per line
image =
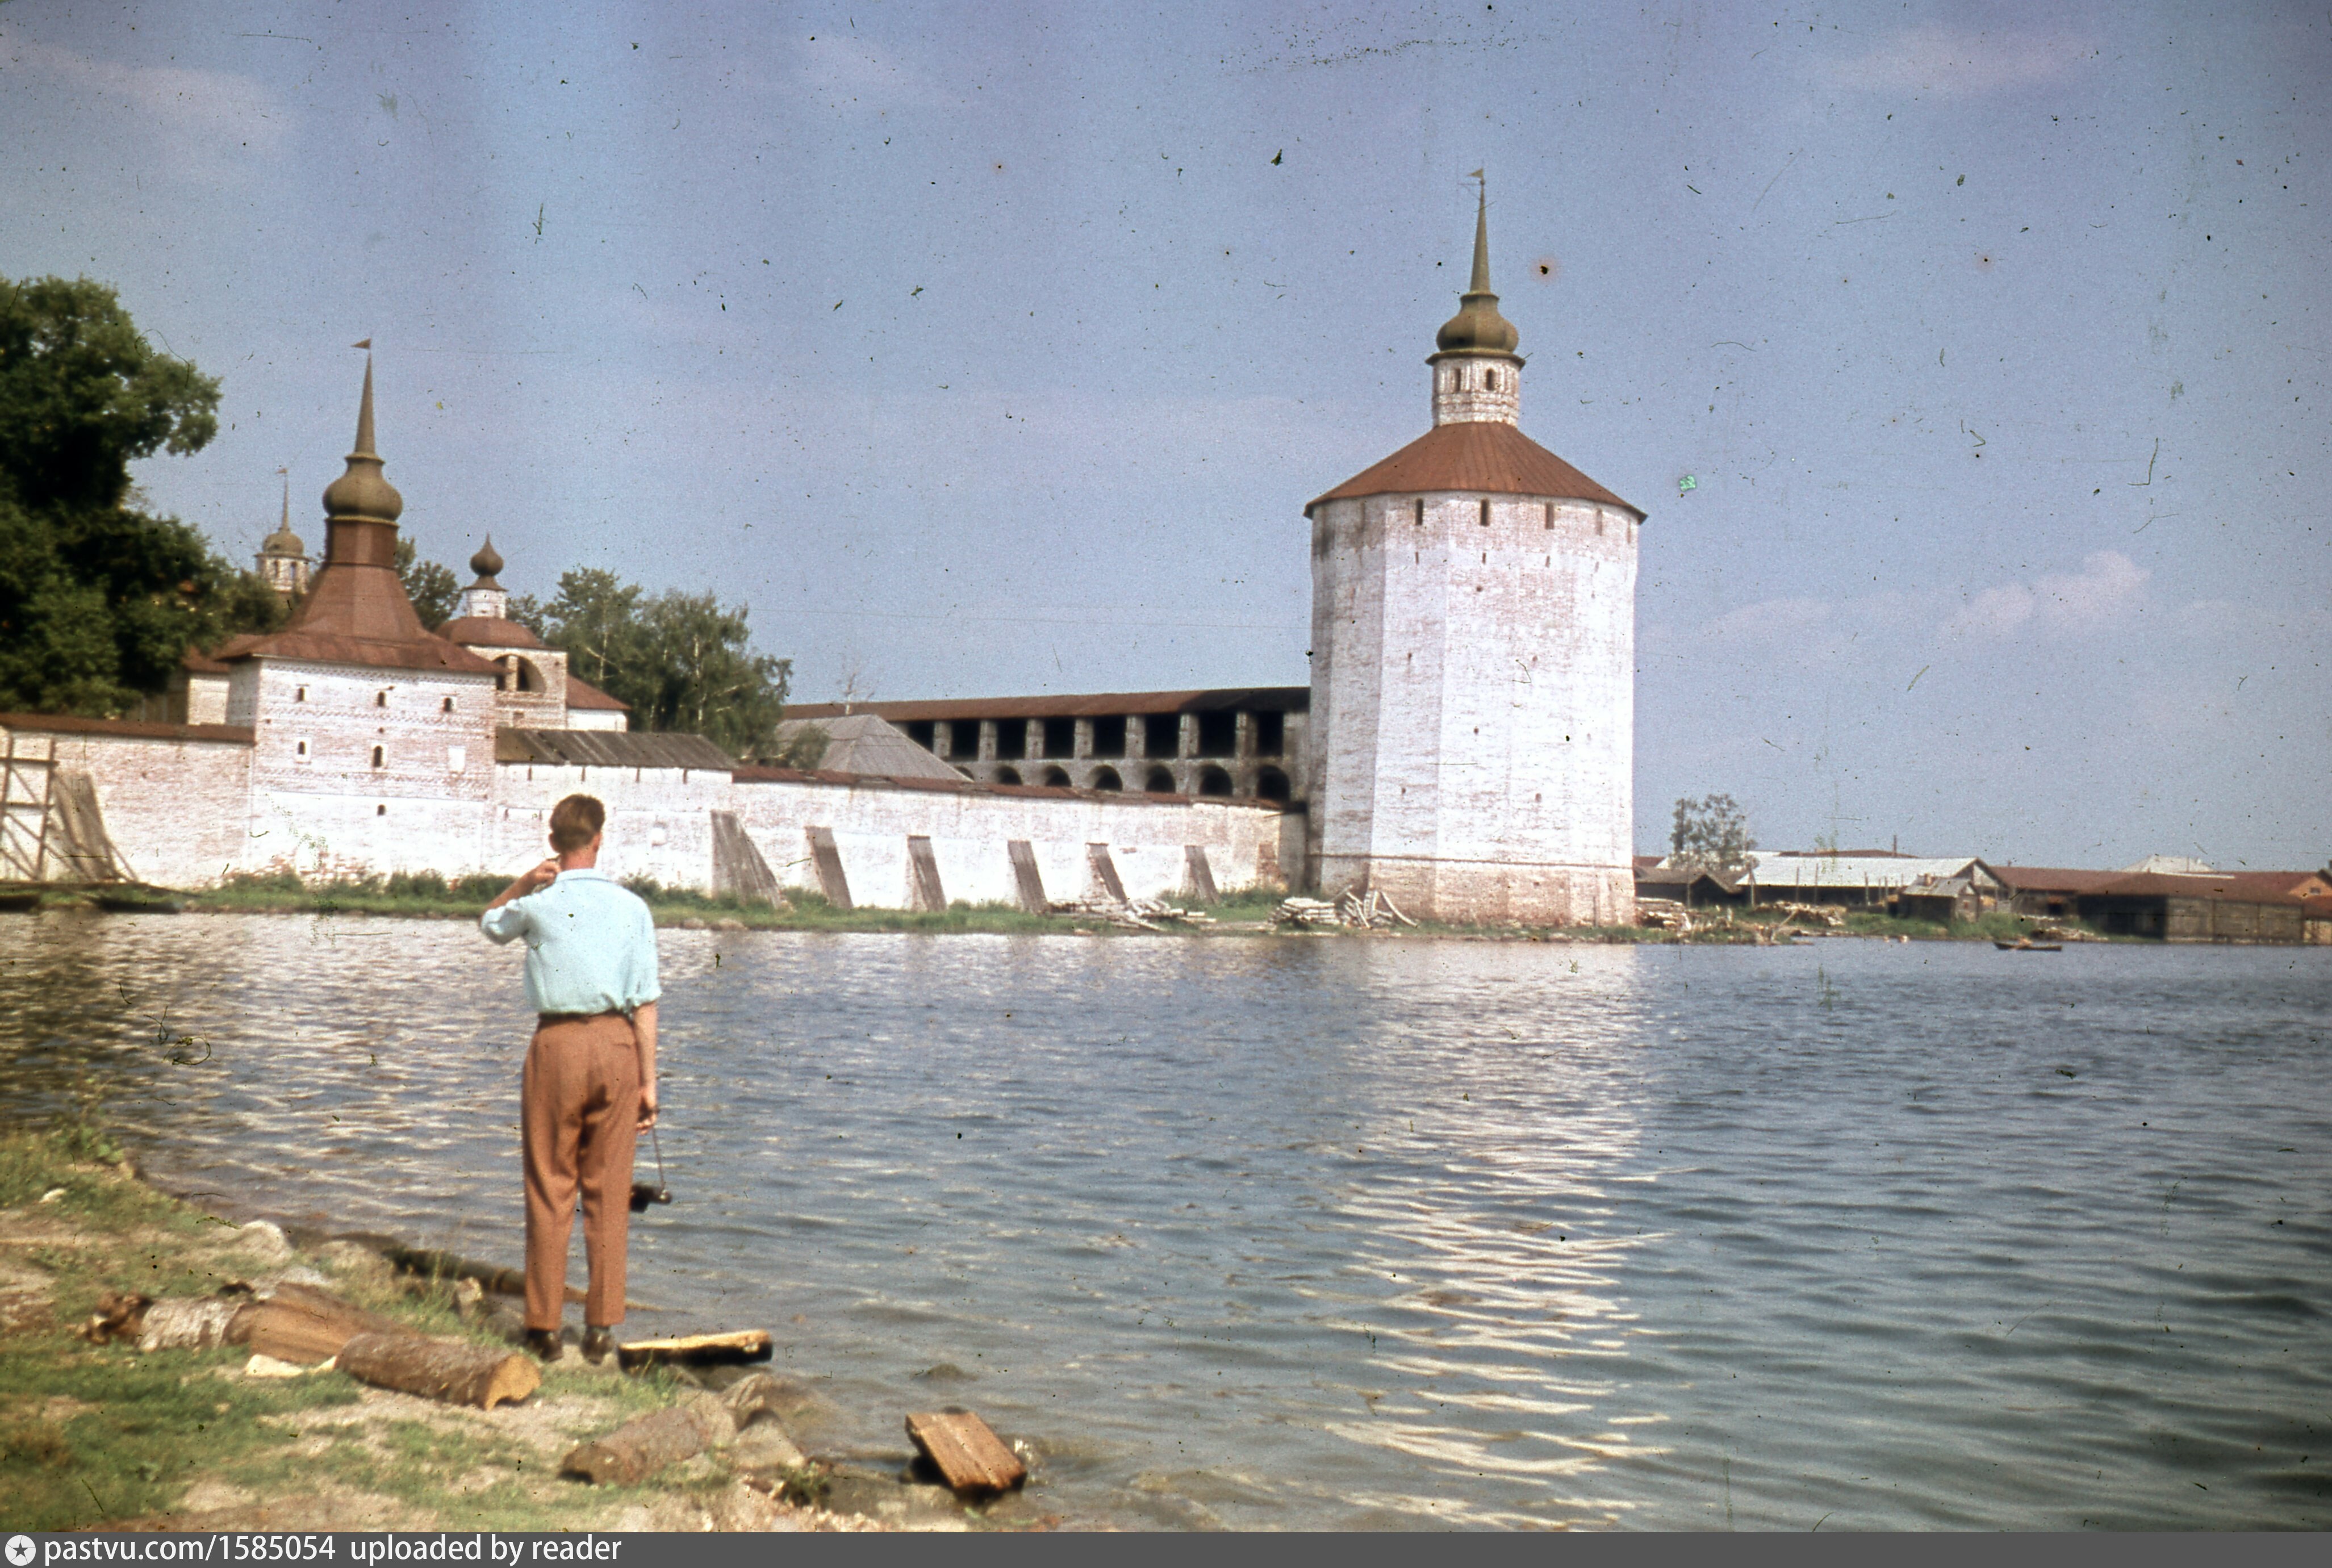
<point x="16" y="901"/>
<point x="2026" y="944"/>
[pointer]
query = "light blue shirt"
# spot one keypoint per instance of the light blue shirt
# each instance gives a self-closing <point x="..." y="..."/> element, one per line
<point x="591" y="944"/>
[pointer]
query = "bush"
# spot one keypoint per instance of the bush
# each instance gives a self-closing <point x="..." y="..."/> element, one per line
<point x="416" y="884"/>
<point x="263" y="882"/>
<point x="478" y="888"/>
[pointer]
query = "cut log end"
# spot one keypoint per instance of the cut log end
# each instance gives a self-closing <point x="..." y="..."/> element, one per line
<point x="437" y="1369"/>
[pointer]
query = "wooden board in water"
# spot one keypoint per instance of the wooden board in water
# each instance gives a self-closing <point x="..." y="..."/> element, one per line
<point x="972" y="1457"/>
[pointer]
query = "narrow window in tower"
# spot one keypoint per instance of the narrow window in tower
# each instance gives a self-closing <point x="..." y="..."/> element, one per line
<point x="300" y="693"/>
<point x="1490" y="380"/>
<point x="379" y="757"/>
<point x="1550" y="515"/>
<point x="449" y="705"/>
<point x="380" y="699"/>
<point x="380" y="811"/>
<point x="1486" y="514"/>
<point x="1420" y="523"/>
<point x="1598" y="525"/>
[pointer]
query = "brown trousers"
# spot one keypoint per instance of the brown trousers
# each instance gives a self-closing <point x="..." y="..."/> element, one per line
<point x="580" y="1103"/>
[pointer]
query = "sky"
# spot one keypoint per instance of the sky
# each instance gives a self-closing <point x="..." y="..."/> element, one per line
<point x="1969" y="361"/>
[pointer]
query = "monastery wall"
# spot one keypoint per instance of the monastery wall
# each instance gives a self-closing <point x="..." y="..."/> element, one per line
<point x="971" y="831"/>
<point x="659" y="819"/>
<point x="174" y="797"/>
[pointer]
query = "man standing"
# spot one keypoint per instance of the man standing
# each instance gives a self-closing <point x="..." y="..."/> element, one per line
<point x="589" y="1086"/>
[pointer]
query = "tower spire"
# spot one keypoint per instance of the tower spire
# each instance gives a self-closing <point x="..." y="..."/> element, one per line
<point x="1481" y="279"/>
<point x="364" y="408"/>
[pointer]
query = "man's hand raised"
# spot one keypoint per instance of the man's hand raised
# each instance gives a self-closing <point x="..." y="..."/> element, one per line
<point x="529" y="881"/>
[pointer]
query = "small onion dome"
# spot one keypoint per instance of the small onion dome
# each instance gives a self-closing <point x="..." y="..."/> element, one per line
<point x="1478" y="327"/>
<point x="283" y="541"/>
<point x="362" y="492"/>
<point x="486" y="563"/>
<point x="488" y="632"/>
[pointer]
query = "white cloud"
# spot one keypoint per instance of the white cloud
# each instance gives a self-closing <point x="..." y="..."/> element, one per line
<point x="200" y="118"/>
<point x="2109" y="587"/>
<point x="1955" y="62"/>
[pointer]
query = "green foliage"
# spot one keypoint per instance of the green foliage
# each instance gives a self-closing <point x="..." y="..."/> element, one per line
<point x="432" y="586"/>
<point x="684" y="662"/>
<point x="1711" y="834"/>
<point x="98" y="598"/>
<point x="804" y="747"/>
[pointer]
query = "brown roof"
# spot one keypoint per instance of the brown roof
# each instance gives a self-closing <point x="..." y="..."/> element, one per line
<point x="201" y="663"/>
<point x="1253" y="699"/>
<point x="422" y="653"/>
<point x="582" y="694"/>
<point x="1486" y="455"/>
<point x="764" y="773"/>
<point x="2054" y="879"/>
<point x="488" y="632"/>
<point x="2238" y="887"/>
<point x="610" y="748"/>
<point x="72" y="724"/>
<point x="2317" y="906"/>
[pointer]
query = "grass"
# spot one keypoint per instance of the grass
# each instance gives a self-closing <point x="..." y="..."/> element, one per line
<point x="92" y="1435"/>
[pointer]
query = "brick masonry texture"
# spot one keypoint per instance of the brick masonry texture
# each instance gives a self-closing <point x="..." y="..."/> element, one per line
<point x="1473" y="705"/>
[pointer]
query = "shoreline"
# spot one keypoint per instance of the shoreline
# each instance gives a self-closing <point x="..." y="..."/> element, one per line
<point x="104" y="1435"/>
<point x="1241" y="915"/>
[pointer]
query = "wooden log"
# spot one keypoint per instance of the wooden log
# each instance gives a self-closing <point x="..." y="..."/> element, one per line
<point x="299" y="1323"/>
<point x="749" y="1344"/>
<point x="440" y="1369"/>
<point x="972" y="1458"/>
<point x="639" y="1448"/>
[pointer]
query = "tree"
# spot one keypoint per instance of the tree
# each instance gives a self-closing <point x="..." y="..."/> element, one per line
<point x="1712" y="834"/>
<point x="98" y="598"/>
<point x="685" y="661"/>
<point x="432" y="588"/>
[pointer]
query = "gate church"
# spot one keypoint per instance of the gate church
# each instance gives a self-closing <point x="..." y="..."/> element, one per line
<point x="1465" y="745"/>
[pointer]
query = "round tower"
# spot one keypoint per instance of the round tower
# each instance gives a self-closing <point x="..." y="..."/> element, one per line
<point x="1472" y="732"/>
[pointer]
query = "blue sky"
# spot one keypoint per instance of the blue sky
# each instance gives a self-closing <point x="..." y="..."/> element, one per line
<point x="985" y="349"/>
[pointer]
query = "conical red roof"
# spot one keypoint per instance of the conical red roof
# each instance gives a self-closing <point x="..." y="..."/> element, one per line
<point x="1487" y="455"/>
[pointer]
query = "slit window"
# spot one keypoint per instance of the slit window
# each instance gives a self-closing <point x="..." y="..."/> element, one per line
<point x="448" y="707"/>
<point x="1486" y="514"/>
<point x="1490" y="380"/>
<point x="380" y="699"/>
<point x="1550" y="514"/>
<point x="299" y="693"/>
<point x="1420" y="512"/>
<point x="380" y="756"/>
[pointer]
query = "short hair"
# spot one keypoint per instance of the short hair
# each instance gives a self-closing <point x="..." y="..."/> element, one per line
<point x="575" y="822"/>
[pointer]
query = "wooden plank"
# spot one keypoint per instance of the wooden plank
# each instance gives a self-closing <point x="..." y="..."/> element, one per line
<point x="1197" y="875"/>
<point x="1104" y="871"/>
<point x="973" y="1458"/>
<point x="826" y="856"/>
<point x="748" y="1344"/>
<point x="1027" y="880"/>
<point x="923" y="889"/>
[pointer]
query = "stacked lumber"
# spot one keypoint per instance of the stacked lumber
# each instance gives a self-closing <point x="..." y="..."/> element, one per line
<point x="1131" y="913"/>
<point x="1370" y="911"/>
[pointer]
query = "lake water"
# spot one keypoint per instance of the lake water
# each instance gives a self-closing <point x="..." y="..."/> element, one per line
<point x="1364" y="1234"/>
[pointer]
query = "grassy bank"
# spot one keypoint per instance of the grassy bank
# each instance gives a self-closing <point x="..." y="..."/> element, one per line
<point x="104" y="1435"/>
<point x="1247" y="911"/>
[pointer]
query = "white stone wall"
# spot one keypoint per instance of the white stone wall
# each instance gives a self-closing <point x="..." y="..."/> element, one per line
<point x="596" y="719"/>
<point x="174" y="808"/>
<point x="970" y="831"/>
<point x="1469" y="388"/>
<point x="659" y="819"/>
<point x="1473" y="705"/>
<point x="319" y="804"/>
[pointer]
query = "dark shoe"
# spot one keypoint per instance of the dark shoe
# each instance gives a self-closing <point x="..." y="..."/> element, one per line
<point x="545" y="1342"/>
<point x="598" y="1343"/>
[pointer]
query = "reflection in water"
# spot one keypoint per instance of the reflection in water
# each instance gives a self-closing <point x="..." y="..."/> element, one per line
<point x="1352" y="1234"/>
